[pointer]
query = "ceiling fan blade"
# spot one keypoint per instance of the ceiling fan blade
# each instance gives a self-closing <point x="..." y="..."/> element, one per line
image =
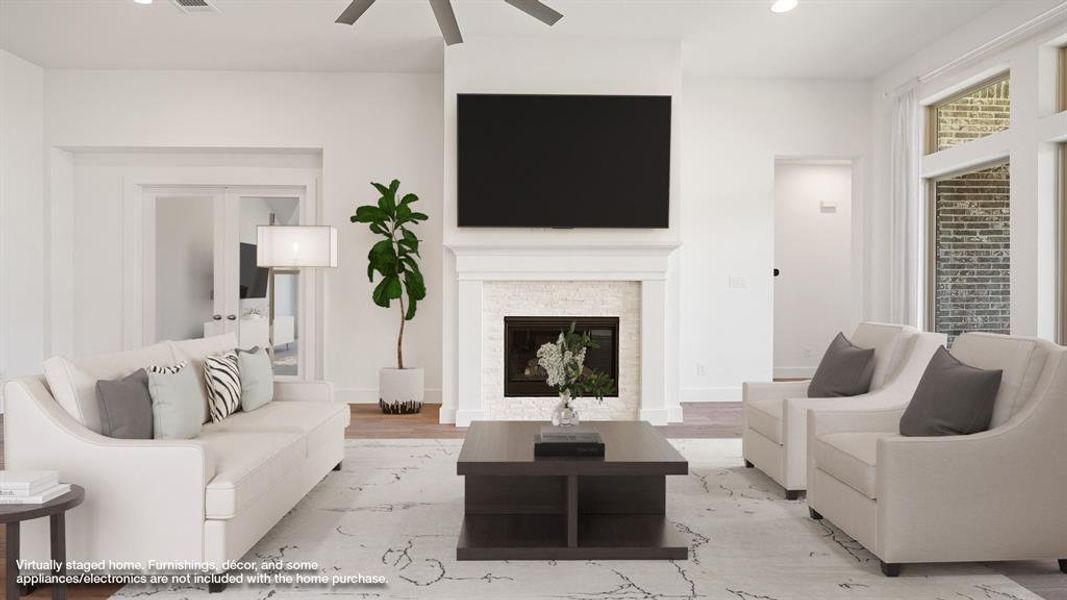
<point x="354" y="11"/>
<point x="537" y="10"/>
<point x="446" y="20"/>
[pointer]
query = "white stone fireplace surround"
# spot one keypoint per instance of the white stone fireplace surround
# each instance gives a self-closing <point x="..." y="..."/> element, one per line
<point x="490" y="285"/>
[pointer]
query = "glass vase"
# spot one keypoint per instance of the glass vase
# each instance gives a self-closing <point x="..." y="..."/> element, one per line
<point x="565" y="414"/>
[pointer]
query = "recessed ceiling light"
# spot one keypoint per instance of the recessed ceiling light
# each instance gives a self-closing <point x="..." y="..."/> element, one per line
<point x="143" y="1"/>
<point x="783" y="6"/>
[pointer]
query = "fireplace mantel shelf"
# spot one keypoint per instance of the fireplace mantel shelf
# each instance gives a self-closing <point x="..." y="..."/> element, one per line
<point x="563" y="262"/>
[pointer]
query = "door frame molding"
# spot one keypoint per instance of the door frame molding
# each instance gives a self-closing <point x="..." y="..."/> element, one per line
<point x="143" y="184"/>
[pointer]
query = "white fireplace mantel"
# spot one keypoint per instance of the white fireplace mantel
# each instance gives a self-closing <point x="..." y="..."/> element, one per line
<point x="648" y="264"/>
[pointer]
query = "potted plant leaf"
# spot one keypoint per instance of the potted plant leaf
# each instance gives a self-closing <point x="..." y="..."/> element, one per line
<point x="395" y="260"/>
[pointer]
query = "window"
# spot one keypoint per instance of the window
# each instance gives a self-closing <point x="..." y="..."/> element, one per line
<point x="970" y="274"/>
<point x="975" y="113"/>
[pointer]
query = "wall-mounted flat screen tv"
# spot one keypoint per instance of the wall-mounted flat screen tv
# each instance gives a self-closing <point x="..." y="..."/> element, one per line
<point x="253" y="277"/>
<point x="563" y="161"/>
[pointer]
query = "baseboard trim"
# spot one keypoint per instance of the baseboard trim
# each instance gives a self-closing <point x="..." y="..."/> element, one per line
<point x="464" y="417"/>
<point x="370" y="395"/>
<point x="712" y="394"/>
<point x="656" y="416"/>
<point x="447" y="416"/>
<point x="794" y="372"/>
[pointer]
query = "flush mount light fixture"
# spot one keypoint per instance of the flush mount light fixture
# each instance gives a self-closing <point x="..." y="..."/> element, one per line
<point x="783" y="6"/>
<point x="143" y="1"/>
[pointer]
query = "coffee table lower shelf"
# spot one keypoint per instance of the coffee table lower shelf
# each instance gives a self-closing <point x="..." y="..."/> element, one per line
<point x="544" y="537"/>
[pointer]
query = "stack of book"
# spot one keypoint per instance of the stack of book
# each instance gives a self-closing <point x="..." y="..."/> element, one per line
<point x="568" y="441"/>
<point x="30" y="487"/>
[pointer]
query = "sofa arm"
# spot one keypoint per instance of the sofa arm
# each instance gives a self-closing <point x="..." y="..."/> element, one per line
<point x="143" y="498"/>
<point x="773" y="390"/>
<point x="995" y="495"/>
<point x="313" y="391"/>
<point x="876" y="418"/>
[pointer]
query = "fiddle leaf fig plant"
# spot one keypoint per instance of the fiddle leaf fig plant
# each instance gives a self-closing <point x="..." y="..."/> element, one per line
<point x="395" y="257"/>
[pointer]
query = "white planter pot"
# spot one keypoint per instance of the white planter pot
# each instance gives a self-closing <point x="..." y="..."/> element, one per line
<point x="401" y="386"/>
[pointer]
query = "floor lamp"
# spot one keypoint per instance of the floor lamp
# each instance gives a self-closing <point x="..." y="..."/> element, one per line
<point x="292" y="247"/>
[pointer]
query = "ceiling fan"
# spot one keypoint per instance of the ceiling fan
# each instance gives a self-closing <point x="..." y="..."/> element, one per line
<point x="446" y="17"/>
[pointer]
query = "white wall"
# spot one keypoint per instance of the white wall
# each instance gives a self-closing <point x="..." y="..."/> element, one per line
<point x="1015" y="37"/>
<point x="367" y="126"/>
<point x="734" y="130"/>
<point x="813" y="295"/>
<point x="23" y="236"/>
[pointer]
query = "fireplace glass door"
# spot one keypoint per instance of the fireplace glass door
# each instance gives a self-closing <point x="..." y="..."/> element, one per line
<point x="523" y="377"/>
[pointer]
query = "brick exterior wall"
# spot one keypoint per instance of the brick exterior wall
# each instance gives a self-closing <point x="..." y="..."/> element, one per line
<point x="972" y="281"/>
<point x="978" y="114"/>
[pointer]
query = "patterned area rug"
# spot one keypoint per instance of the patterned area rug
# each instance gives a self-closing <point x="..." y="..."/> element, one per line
<point x="395" y="508"/>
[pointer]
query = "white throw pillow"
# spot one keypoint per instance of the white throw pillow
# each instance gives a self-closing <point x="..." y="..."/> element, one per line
<point x="73" y="380"/>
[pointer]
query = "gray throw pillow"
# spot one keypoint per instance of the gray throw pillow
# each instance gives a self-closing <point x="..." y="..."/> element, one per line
<point x="125" y="407"/>
<point x="177" y="403"/>
<point x="845" y="370"/>
<point x="257" y="378"/>
<point x="951" y="399"/>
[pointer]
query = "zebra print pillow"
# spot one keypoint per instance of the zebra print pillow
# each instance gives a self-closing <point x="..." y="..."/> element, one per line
<point x="223" y="381"/>
<point x="166" y="369"/>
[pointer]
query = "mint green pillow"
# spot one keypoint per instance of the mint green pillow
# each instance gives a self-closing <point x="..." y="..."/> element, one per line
<point x="257" y="378"/>
<point x="177" y="402"/>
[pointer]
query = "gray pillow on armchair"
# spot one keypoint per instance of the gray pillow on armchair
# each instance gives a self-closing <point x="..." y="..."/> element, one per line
<point x="951" y="399"/>
<point x="845" y="370"/>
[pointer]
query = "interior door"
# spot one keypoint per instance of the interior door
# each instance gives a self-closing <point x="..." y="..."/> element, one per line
<point x="251" y="288"/>
<point x="201" y="277"/>
<point x="184" y="258"/>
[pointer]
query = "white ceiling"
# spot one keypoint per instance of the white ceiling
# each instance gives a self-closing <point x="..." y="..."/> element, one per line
<point x="821" y="38"/>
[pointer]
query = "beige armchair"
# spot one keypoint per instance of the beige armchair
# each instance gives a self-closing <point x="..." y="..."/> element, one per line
<point x="995" y="495"/>
<point x="775" y="436"/>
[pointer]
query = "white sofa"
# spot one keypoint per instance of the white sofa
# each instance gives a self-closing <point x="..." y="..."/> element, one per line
<point x="775" y="435"/>
<point x="207" y="499"/>
<point x="990" y="496"/>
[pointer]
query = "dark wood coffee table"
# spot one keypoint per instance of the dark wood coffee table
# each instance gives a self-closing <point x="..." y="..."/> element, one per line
<point x="517" y="507"/>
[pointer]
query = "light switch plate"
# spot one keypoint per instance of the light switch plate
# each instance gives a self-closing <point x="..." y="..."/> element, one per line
<point x="738" y="283"/>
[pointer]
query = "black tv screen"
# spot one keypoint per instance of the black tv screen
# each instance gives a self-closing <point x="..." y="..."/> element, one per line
<point x="563" y="161"/>
<point x="253" y="282"/>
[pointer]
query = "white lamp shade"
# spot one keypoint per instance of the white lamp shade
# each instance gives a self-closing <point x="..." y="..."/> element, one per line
<point x="296" y="246"/>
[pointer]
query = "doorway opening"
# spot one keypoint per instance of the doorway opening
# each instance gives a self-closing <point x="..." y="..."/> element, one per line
<point x="814" y="291"/>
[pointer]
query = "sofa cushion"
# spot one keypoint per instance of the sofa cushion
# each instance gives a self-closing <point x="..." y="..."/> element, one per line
<point x="195" y="351"/>
<point x="1020" y="358"/>
<point x="851" y="458"/>
<point x="845" y="370"/>
<point x="73" y="380"/>
<point x="304" y="418"/>
<point x="765" y="416"/>
<point x="887" y="340"/>
<point x="247" y="466"/>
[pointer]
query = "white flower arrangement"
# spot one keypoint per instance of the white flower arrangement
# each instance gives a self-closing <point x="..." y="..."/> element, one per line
<point x="564" y="364"/>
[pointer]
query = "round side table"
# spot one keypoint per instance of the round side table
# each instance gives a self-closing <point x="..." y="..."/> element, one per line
<point x="12" y="515"/>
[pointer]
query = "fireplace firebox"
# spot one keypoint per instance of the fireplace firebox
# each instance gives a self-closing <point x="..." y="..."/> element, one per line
<point x="523" y="377"/>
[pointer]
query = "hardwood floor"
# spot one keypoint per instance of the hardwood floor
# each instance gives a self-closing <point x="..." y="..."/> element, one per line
<point x="702" y="420"/>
